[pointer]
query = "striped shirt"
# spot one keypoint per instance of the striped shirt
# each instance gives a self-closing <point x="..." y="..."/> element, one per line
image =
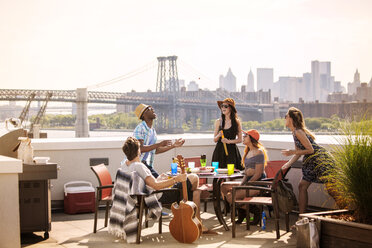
<point x="148" y="135"/>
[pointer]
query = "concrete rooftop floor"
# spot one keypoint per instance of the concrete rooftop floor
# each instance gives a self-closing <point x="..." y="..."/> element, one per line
<point x="77" y="231"/>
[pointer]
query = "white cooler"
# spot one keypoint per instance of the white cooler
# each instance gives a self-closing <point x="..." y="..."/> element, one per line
<point x="79" y="197"/>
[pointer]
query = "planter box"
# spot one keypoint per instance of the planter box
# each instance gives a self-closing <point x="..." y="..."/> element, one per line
<point x="339" y="233"/>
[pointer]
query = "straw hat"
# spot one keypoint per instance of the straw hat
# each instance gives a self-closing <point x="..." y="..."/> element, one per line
<point x="229" y="101"/>
<point x="140" y="110"/>
<point x="253" y="133"/>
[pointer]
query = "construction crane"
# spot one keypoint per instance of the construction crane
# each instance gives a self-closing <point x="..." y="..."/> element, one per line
<point x="25" y="110"/>
<point x="17" y="123"/>
<point x="41" y="112"/>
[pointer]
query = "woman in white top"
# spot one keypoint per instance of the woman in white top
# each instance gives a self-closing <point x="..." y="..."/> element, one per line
<point x="131" y="148"/>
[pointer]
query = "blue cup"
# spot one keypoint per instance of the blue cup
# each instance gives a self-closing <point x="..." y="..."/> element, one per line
<point x="215" y="166"/>
<point x="174" y="168"/>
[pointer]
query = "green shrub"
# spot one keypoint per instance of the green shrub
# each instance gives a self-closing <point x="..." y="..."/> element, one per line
<point x="351" y="177"/>
<point x="313" y="123"/>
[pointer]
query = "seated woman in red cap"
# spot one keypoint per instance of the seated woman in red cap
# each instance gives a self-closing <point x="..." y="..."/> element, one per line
<point x="254" y="160"/>
<point x="227" y="133"/>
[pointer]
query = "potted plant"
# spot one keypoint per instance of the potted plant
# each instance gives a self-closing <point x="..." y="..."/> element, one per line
<point x="350" y="183"/>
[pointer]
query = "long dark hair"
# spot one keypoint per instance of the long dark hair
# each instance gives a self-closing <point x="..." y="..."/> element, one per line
<point x="298" y="121"/>
<point x="258" y="145"/>
<point x="234" y="122"/>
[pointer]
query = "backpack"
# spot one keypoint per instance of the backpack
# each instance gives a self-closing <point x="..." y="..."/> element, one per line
<point x="286" y="198"/>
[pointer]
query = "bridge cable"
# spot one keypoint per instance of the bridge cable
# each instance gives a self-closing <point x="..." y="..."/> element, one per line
<point x="128" y="75"/>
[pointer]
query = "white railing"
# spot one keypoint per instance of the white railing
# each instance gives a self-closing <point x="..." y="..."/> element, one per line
<point x="73" y="157"/>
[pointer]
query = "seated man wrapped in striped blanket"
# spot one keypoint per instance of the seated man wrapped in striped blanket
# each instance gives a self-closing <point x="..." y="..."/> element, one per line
<point x="123" y="215"/>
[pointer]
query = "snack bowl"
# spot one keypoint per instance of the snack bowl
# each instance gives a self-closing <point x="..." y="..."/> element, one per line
<point x="222" y="171"/>
<point x="41" y="160"/>
<point x="209" y="169"/>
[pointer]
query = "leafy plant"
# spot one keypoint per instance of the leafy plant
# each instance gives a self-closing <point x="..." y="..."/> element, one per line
<point x="350" y="180"/>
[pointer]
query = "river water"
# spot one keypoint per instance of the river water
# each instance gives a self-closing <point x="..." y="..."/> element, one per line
<point x="321" y="138"/>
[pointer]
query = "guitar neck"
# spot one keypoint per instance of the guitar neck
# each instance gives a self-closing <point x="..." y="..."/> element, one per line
<point x="184" y="191"/>
<point x="181" y="163"/>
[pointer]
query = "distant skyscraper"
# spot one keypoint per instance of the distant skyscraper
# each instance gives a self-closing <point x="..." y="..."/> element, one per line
<point x="325" y="75"/>
<point x="321" y="80"/>
<point x="315" y="80"/>
<point x="352" y="87"/>
<point x="228" y="82"/>
<point x="338" y="87"/>
<point x="306" y="80"/>
<point x="265" y="78"/>
<point x="221" y="80"/>
<point x="290" y="88"/>
<point x="250" y="82"/>
<point x="192" y="86"/>
<point x="181" y="83"/>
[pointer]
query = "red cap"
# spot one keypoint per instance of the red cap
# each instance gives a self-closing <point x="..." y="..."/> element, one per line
<point x="253" y="133"/>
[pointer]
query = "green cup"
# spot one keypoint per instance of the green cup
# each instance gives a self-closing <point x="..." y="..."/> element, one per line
<point x="203" y="160"/>
<point x="230" y="169"/>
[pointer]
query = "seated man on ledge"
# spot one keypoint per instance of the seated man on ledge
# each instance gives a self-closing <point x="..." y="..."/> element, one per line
<point x="131" y="149"/>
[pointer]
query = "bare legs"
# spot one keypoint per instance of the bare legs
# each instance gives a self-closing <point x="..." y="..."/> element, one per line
<point x="302" y="195"/>
<point x="226" y="189"/>
<point x="194" y="179"/>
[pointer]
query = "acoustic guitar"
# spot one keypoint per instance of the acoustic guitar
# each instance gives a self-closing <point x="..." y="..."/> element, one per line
<point x="185" y="227"/>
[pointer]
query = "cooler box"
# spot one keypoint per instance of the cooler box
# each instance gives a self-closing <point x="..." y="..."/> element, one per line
<point x="79" y="197"/>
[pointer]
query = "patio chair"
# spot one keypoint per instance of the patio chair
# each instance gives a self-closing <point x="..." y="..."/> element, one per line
<point x="104" y="191"/>
<point x="140" y="204"/>
<point x="271" y="169"/>
<point x="272" y="200"/>
<point x="207" y="187"/>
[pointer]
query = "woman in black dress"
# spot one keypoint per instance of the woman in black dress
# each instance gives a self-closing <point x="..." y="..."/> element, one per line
<point x="232" y="131"/>
<point x="316" y="160"/>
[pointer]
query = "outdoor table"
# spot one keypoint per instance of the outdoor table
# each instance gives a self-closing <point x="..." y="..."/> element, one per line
<point x="217" y="180"/>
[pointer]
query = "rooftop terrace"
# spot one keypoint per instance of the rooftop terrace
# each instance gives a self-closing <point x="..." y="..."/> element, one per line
<point x="77" y="231"/>
<point x="73" y="156"/>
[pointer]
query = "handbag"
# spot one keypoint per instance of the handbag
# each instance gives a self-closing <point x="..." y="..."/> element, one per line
<point x="286" y="198"/>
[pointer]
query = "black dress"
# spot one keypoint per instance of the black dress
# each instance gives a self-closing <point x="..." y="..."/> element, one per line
<point x="234" y="154"/>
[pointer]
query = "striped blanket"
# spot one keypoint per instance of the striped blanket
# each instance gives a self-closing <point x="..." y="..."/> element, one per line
<point x="123" y="215"/>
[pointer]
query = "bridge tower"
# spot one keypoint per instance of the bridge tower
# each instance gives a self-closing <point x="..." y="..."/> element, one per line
<point x="82" y="124"/>
<point x="167" y="83"/>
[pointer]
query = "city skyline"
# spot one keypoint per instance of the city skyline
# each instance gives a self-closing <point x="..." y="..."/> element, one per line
<point x="72" y="44"/>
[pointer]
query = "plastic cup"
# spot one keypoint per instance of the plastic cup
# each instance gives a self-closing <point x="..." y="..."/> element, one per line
<point x="203" y="160"/>
<point x="230" y="169"/>
<point x="215" y="166"/>
<point x="191" y="165"/>
<point x="174" y="168"/>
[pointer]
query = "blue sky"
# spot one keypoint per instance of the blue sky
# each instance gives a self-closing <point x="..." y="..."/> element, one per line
<point x="70" y="44"/>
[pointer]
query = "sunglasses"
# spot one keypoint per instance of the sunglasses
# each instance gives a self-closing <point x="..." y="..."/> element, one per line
<point x="225" y="105"/>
